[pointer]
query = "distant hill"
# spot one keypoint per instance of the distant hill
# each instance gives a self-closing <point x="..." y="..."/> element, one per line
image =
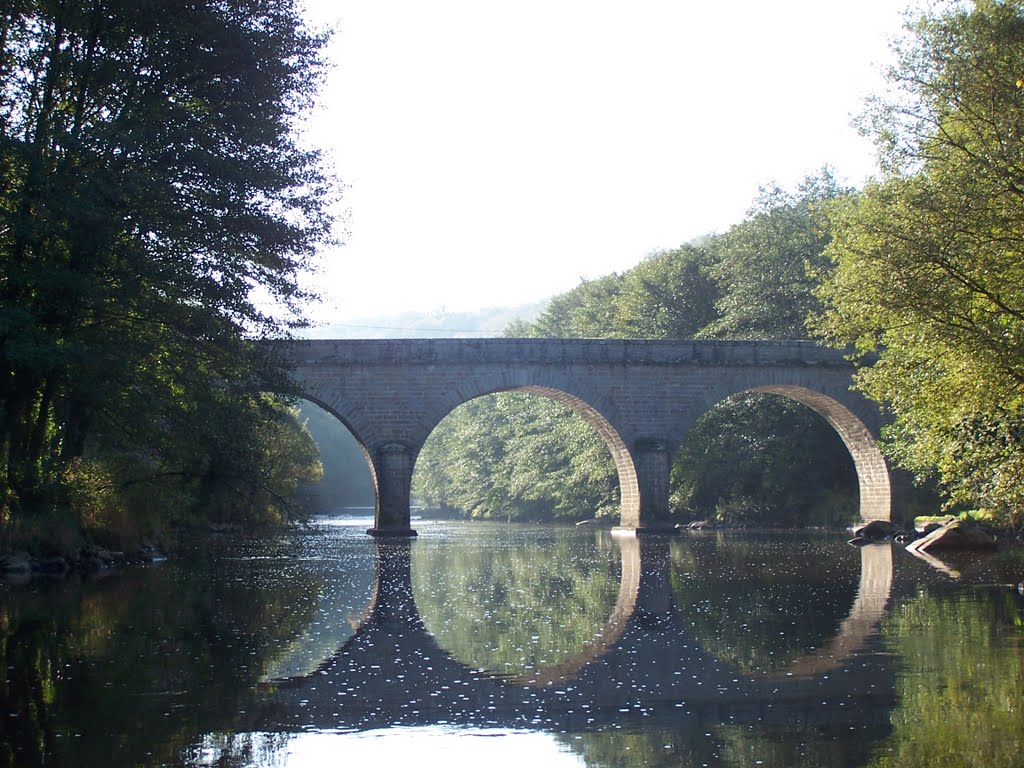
<point x="415" y="325"/>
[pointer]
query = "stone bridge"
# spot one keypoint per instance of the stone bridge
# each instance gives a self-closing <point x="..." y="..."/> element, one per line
<point x="641" y="396"/>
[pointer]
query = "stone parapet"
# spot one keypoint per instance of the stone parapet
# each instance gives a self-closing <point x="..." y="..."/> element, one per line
<point x="565" y="352"/>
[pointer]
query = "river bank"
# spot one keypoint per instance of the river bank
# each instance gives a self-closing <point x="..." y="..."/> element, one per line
<point x="20" y="566"/>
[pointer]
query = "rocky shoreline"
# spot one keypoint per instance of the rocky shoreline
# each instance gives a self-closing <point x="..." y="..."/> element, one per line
<point x="21" y="567"/>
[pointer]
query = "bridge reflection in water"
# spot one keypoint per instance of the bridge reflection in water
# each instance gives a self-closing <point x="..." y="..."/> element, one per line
<point x="644" y="665"/>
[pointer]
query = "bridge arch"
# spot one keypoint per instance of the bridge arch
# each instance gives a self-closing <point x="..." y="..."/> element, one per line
<point x="629" y="490"/>
<point x="345" y="424"/>
<point x="872" y="471"/>
<point x="874" y="485"/>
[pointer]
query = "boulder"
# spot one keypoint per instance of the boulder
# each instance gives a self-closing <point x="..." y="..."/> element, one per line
<point x="955" y="535"/>
<point x="877" y="530"/>
<point x="151" y="555"/>
<point x="55" y="565"/>
<point x="15" y="563"/>
<point x="94" y="552"/>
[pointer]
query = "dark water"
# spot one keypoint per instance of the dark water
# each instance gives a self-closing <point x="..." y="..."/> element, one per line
<point x="500" y="645"/>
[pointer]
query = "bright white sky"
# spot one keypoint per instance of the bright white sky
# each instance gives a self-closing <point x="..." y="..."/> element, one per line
<point x="496" y="153"/>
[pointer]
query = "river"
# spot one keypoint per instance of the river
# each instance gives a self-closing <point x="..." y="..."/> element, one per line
<point x="501" y="645"/>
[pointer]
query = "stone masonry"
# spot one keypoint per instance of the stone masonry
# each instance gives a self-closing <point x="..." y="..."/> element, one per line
<point x="641" y="396"/>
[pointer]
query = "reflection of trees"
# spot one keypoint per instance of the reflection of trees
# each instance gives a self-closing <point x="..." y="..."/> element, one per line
<point x="961" y="686"/>
<point x="766" y="605"/>
<point x="762" y="603"/>
<point x="662" y="748"/>
<point x="737" y="746"/>
<point x="135" y="667"/>
<point x="514" y="609"/>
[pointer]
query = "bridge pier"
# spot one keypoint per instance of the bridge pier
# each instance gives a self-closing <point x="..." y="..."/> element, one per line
<point x="393" y="464"/>
<point x="393" y="602"/>
<point x="646" y="510"/>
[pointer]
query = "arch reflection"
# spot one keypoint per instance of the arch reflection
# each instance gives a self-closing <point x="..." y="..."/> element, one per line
<point x="645" y="600"/>
<point x="775" y="607"/>
<point x="393" y="670"/>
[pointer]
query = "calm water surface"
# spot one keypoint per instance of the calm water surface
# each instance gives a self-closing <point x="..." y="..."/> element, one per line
<point x="508" y="645"/>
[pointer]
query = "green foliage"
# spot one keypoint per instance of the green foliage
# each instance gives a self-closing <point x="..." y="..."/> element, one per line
<point x="926" y="271"/>
<point x="149" y="183"/>
<point x="669" y="295"/>
<point x="763" y="264"/>
<point x="513" y="456"/>
<point x="766" y="480"/>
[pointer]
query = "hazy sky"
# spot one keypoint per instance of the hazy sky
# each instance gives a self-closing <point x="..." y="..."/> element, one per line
<point x="495" y="153"/>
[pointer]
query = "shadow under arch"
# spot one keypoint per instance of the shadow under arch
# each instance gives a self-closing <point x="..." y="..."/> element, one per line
<point x="873" y="480"/>
<point x="348" y="427"/>
<point x="393" y="672"/>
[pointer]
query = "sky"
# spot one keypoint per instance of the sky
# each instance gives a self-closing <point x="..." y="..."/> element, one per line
<point x="495" y="154"/>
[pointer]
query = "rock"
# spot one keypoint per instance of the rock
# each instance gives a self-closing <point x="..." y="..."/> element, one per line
<point x="215" y="527"/>
<point x="151" y="555"/>
<point x="98" y="553"/>
<point x="955" y="535"/>
<point x="877" y="530"/>
<point x="56" y="565"/>
<point x="15" y="563"/>
<point x="90" y="563"/>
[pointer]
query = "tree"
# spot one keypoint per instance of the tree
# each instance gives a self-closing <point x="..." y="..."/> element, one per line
<point x="928" y="278"/>
<point x="150" y="182"/>
<point x="761" y="265"/>
<point x="669" y="295"/>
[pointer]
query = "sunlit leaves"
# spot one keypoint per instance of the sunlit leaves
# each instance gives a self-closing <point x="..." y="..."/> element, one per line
<point x="764" y="265"/>
<point x="927" y="274"/>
